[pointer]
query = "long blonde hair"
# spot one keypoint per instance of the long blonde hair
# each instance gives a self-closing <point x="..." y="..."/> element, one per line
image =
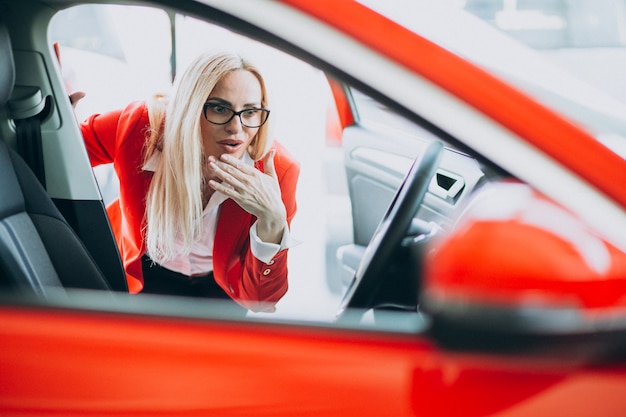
<point x="174" y="200"/>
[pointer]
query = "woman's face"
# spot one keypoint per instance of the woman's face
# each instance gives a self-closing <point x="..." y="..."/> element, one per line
<point x="238" y="90"/>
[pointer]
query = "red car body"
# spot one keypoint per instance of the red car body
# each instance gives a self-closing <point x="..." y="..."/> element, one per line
<point x="70" y="363"/>
<point x="85" y="359"/>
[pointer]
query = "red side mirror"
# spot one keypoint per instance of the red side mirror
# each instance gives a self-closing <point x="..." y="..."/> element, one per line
<point x="513" y="249"/>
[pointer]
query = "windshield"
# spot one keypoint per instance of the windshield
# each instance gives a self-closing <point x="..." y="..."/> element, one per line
<point x="540" y="47"/>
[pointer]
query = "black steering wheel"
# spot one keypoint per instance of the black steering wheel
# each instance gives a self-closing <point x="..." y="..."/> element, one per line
<point x="391" y="230"/>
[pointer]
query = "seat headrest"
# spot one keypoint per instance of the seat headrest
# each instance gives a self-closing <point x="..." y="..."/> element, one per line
<point x="7" y="66"/>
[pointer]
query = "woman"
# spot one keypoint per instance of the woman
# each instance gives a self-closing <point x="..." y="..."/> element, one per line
<point x="204" y="206"/>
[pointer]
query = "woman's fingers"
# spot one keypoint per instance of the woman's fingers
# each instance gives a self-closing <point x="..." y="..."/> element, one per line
<point x="255" y="191"/>
<point x="231" y="171"/>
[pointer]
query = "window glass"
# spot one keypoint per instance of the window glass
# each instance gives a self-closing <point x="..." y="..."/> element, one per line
<point x="299" y="97"/>
<point x="115" y="54"/>
<point x="119" y="54"/>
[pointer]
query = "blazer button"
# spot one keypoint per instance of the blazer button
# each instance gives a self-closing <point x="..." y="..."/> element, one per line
<point x="267" y="271"/>
<point x="271" y="262"/>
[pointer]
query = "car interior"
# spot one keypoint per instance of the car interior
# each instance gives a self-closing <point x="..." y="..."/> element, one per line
<point x="402" y="183"/>
<point x="39" y="249"/>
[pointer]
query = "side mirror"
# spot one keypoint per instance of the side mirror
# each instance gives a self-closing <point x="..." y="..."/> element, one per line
<point x="518" y="267"/>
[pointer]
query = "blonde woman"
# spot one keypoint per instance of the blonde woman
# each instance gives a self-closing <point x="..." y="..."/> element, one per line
<point x="205" y="203"/>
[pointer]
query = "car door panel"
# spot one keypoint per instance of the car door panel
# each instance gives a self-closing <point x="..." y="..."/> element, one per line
<point x="376" y="162"/>
<point x="198" y="362"/>
<point x="193" y="367"/>
<point x="375" y="167"/>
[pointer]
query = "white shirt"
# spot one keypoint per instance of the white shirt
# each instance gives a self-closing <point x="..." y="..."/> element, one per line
<point x="200" y="259"/>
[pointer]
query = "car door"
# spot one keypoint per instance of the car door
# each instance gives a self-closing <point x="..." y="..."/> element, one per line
<point x="378" y="149"/>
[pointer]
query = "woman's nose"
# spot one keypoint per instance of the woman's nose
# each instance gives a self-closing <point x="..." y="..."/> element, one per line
<point x="235" y="124"/>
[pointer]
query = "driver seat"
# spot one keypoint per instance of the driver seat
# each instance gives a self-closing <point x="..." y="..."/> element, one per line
<point x="39" y="251"/>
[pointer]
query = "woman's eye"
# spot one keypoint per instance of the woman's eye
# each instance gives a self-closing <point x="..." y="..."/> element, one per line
<point x="250" y="113"/>
<point x="217" y="108"/>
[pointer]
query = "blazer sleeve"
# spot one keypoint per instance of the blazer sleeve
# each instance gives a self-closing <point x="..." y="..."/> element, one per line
<point x="261" y="285"/>
<point x="104" y="134"/>
<point x="99" y="133"/>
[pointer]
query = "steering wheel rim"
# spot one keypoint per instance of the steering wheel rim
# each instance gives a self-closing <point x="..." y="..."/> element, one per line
<point x="392" y="229"/>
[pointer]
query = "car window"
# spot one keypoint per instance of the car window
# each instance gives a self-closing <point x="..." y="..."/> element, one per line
<point x="101" y="42"/>
<point x="344" y="191"/>
<point x="101" y="56"/>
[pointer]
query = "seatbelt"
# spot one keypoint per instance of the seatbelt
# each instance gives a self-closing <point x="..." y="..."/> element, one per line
<point x="28" y="110"/>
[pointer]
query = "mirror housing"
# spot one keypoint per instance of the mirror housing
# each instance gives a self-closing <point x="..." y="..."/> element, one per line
<point x="518" y="264"/>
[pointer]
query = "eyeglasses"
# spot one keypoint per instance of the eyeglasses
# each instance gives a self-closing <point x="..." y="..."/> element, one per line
<point x="219" y="114"/>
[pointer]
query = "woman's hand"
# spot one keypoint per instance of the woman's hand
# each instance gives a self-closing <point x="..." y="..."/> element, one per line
<point x="76" y="97"/>
<point x="256" y="192"/>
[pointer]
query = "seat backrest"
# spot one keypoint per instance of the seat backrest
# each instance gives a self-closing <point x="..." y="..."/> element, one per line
<point x="7" y="70"/>
<point x="39" y="251"/>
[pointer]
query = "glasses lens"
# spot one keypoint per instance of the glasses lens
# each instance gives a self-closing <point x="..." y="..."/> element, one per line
<point x="216" y="113"/>
<point x="253" y="117"/>
<point x="220" y="115"/>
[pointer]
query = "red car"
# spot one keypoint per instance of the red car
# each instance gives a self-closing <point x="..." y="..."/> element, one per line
<point x="463" y="252"/>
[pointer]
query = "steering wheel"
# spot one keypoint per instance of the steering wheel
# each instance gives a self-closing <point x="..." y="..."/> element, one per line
<point x="391" y="230"/>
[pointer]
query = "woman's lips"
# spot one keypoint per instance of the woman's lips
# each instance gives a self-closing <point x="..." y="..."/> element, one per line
<point x="230" y="146"/>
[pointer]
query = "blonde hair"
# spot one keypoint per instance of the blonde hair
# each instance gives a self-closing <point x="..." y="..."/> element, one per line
<point x="174" y="200"/>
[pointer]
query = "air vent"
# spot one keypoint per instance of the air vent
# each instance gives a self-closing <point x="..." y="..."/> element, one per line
<point x="447" y="186"/>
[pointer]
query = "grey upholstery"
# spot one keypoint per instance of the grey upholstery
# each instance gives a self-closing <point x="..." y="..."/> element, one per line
<point x="39" y="251"/>
<point x="7" y="70"/>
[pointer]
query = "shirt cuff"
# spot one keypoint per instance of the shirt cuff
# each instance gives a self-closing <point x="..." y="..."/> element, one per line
<point x="265" y="251"/>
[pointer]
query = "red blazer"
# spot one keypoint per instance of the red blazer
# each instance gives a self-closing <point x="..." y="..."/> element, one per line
<point x="119" y="137"/>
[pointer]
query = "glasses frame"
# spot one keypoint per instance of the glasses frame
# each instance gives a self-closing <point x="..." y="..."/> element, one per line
<point x="235" y="113"/>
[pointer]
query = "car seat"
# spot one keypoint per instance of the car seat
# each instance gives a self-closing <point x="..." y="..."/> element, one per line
<point x="39" y="251"/>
